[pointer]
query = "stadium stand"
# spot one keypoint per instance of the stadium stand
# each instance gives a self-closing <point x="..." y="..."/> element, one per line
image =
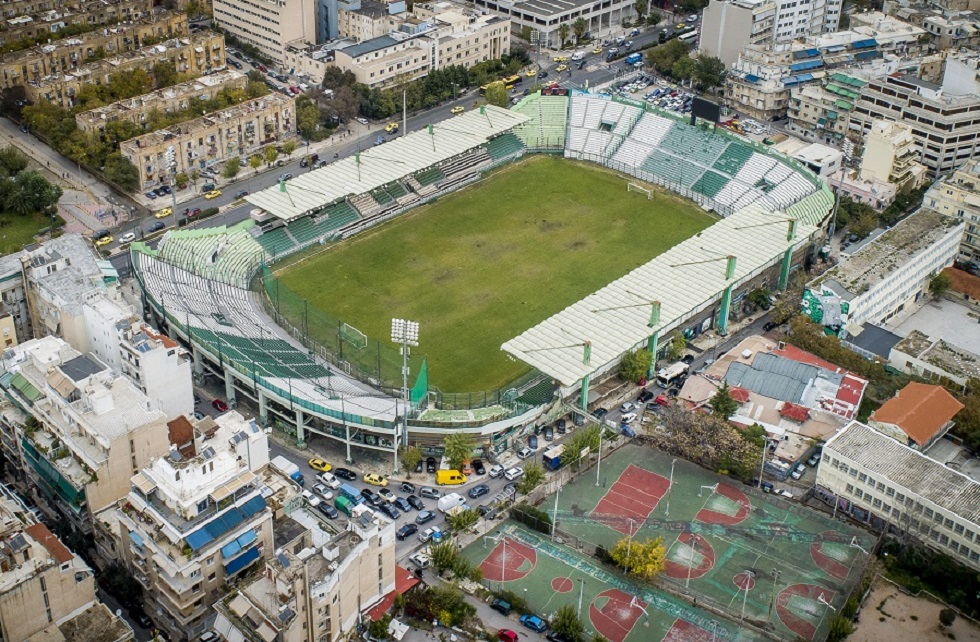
<point x="546" y="129"/>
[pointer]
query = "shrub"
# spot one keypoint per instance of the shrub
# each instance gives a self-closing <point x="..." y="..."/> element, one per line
<point x="532" y="517"/>
<point x="947" y="617"/>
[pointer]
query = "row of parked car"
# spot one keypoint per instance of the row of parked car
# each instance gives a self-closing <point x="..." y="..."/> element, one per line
<point x="670" y="99"/>
<point x="528" y="620"/>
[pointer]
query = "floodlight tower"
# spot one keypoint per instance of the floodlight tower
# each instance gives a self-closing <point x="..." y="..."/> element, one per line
<point x="405" y="333"/>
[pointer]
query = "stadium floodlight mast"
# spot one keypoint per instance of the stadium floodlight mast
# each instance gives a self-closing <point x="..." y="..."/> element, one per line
<point x="406" y="333"/>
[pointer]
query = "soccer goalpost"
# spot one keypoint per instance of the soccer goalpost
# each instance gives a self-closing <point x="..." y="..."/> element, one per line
<point x="633" y="187"/>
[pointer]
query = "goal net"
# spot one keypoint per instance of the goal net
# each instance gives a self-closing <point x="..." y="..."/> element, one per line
<point x="353" y="336"/>
<point x="633" y="187"/>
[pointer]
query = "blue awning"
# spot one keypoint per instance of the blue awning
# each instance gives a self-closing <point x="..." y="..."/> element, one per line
<point x="253" y="506"/>
<point x="804" y="66"/>
<point x="247" y="538"/>
<point x="133" y="535"/>
<point x="751" y="78"/>
<point x="795" y="80"/>
<point x="230" y="549"/>
<point x="199" y="539"/>
<point x="806" y="53"/>
<point x="225" y="522"/>
<point x="867" y="55"/>
<point x="241" y="562"/>
<point x="864" y="44"/>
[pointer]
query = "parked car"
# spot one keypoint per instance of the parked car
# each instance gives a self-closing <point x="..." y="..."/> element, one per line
<point x="496" y="470"/>
<point x="420" y="560"/>
<point x="627" y="407"/>
<point x="431" y="535"/>
<point x="600" y="413"/>
<point x="328" y="510"/>
<point x="628" y="418"/>
<point x="501" y="606"/>
<point x="402" y="504"/>
<point x="533" y="622"/>
<point x="798" y="472"/>
<point x="506" y="635"/>
<point x="155" y="226"/>
<point x="532" y="442"/>
<point x="386" y="494"/>
<point x="322" y="491"/>
<point x="389" y="510"/>
<point x="524" y="453"/>
<point x="219" y="405"/>
<point x="368" y="495"/>
<point x="549" y="433"/>
<point x="513" y="473"/>
<point x="415" y="502"/>
<point x="479" y="491"/>
<point x="769" y="325"/>
<point x="813" y="460"/>
<point x="478" y="467"/>
<point x="430" y="465"/>
<point x="241" y="194"/>
<point x="343" y="473"/>
<point x="407" y="487"/>
<point x="329" y="480"/>
<point x="562" y="426"/>
<point x="375" y="480"/>
<point x="320" y="465"/>
<point x="431" y="493"/>
<point x="644" y="397"/>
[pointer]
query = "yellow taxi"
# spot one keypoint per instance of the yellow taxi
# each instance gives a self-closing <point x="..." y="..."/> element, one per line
<point x="531" y="73"/>
<point x="318" y="464"/>
<point x="391" y="127"/>
<point x="561" y="68"/>
<point x="597" y="50"/>
<point x="375" y="479"/>
<point x="560" y="59"/>
<point x="164" y="213"/>
<point x="680" y="26"/>
<point x="457" y="110"/>
<point x="215" y="193"/>
<point x="104" y="240"/>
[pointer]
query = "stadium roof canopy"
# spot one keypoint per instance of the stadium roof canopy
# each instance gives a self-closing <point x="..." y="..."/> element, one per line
<point x="686" y="279"/>
<point x="383" y="164"/>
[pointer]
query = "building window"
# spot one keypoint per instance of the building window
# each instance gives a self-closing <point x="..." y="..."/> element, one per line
<point x="862" y="478"/>
<point x="850" y="489"/>
<point x="890" y="491"/>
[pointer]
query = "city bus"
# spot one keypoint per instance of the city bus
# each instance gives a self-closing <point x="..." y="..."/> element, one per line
<point x="483" y="89"/>
<point x="688" y="37"/>
<point x="667" y="376"/>
<point x="510" y="81"/>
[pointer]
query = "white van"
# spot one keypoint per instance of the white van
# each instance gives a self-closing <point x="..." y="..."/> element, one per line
<point x="578" y="55"/>
<point x="311" y="499"/>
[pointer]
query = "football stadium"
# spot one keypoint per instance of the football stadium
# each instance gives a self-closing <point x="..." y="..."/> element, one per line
<point x="535" y="246"/>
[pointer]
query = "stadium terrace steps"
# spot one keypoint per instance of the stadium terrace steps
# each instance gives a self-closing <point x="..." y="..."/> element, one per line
<point x="504" y="146"/>
<point x="673" y="170"/>
<point x="366" y="205"/>
<point x="428" y="177"/>
<point x="277" y="241"/>
<point x="546" y="129"/>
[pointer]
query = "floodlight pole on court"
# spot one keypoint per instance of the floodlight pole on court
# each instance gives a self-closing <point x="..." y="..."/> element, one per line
<point x="598" y="462"/>
<point x="670" y="485"/>
<point x="581" y="590"/>
<point x="775" y="583"/>
<point x="745" y="597"/>
<point x="406" y="333"/>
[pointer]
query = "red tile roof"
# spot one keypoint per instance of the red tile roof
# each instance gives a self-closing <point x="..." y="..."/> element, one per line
<point x="46" y="538"/>
<point x="794" y="412"/>
<point x="919" y="409"/>
<point x="851" y="389"/>
<point x="164" y="339"/>
<point x="181" y="434"/>
<point x="964" y="282"/>
<point x="404" y="580"/>
<point x="740" y="395"/>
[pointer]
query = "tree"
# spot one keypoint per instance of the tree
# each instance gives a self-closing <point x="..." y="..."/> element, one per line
<point x="335" y="77"/>
<point x="635" y="365"/>
<point x="566" y="624"/>
<point x="579" y="440"/>
<point x="641" y="7"/>
<point x="839" y="628"/>
<point x="759" y="297"/>
<point x="271" y="154"/>
<point x="676" y="347"/>
<point x="562" y="34"/>
<point x="496" y="94"/>
<point x="598" y="637"/>
<point x="864" y="224"/>
<point x="378" y="629"/>
<point x="709" y="72"/>
<point x="231" y="167"/>
<point x="289" y="147"/>
<point x="645" y="559"/>
<point x="655" y="18"/>
<point x="13" y="160"/>
<point x="533" y="476"/>
<point x="410" y="456"/>
<point x="579" y="27"/>
<point x="947" y="617"/>
<point x="939" y="284"/>
<point x="122" y="172"/>
<point x="664" y="56"/>
<point x="458" y="448"/>
<point x="683" y="68"/>
<point x="255" y="162"/>
<point x="526" y="33"/>
<point x="195" y="174"/>
<point x="443" y="555"/>
<point x="307" y="120"/>
<point x="722" y="404"/>
<point x="461" y="520"/>
<point x="164" y="74"/>
<point x="181" y="178"/>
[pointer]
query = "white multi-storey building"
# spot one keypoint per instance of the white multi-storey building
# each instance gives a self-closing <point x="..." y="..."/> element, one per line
<point x="85" y="431"/>
<point x="878" y="480"/>
<point x="887" y="274"/>
<point x="958" y="195"/>
<point x="194" y="520"/>
<point x="267" y="25"/>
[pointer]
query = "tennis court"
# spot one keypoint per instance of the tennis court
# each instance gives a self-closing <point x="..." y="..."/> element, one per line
<point x="550" y="576"/>
<point x="757" y="557"/>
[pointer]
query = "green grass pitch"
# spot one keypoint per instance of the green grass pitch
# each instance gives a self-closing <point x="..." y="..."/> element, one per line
<point x="482" y="265"/>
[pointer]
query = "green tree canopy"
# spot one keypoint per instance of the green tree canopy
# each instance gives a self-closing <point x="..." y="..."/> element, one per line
<point x="645" y="560"/>
<point x="562" y="34"/>
<point x="458" y="448"/>
<point x="566" y="623"/>
<point x="533" y="476"/>
<point x="722" y="404"/>
<point x="635" y="365"/>
<point x="496" y="94"/>
<point x="708" y="72"/>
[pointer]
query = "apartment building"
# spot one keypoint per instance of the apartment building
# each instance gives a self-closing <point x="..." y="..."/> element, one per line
<point x="204" y="142"/>
<point x="728" y="27"/>
<point x="448" y="38"/>
<point x="947" y="28"/>
<point x="367" y="19"/>
<point x="821" y="111"/>
<point x="16" y="325"/>
<point x="86" y="431"/>
<point x="918" y="415"/>
<point x="546" y="17"/>
<point x="945" y="117"/>
<point x="884" y="276"/>
<point x="66" y="55"/>
<point x="267" y="25"/>
<point x="763" y="78"/>
<point x="958" y="196"/>
<point x="318" y="584"/>
<point x="194" y="520"/>
<point x="891" y="156"/>
<point x="45" y="589"/>
<point x="881" y="481"/>
<point x="34" y="18"/>
<point x="200" y="53"/>
<point x="168" y="100"/>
